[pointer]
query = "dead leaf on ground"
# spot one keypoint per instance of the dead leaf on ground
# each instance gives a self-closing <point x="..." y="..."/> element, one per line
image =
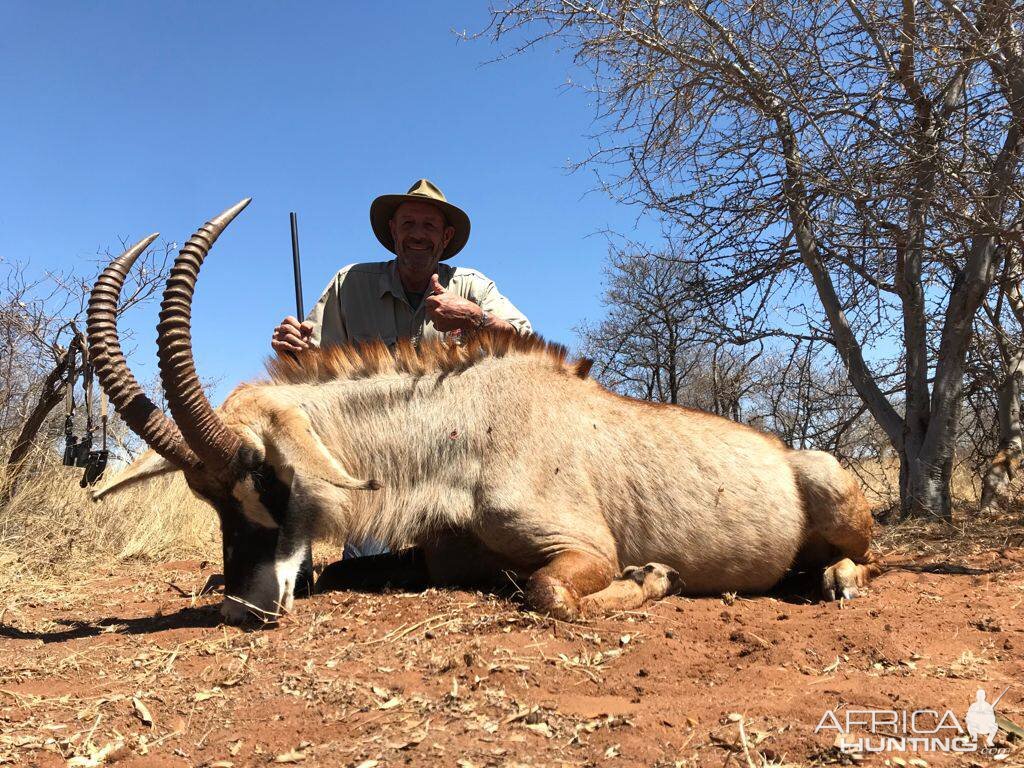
<point x="142" y="711"/>
<point x="112" y="751"/>
<point x="542" y="728"/>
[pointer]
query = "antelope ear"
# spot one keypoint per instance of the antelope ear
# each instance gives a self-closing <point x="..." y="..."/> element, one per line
<point x="293" y="446"/>
<point x="149" y="465"/>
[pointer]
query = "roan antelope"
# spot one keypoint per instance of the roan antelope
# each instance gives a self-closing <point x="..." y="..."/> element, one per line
<point x="501" y="445"/>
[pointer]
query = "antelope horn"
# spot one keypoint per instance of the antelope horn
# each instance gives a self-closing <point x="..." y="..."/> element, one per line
<point x="127" y="397"/>
<point x="201" y="427"/>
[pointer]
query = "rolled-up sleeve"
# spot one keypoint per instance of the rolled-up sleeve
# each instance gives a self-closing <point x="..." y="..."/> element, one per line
<point x="328" y="323"/>
<point x="484" y="292"/>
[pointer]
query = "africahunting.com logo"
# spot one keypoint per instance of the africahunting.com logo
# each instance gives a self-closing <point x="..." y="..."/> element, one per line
<point x="859" y="731"/>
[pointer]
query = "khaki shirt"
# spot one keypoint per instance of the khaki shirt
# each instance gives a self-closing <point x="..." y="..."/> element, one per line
<point x="367" y="301"/>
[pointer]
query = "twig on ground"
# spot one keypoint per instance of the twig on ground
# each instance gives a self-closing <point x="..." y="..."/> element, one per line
<point x="398" y="634"/>
<point x="746" y="746"/>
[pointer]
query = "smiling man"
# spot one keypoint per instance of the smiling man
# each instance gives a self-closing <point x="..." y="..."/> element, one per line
<point x="414" y="295"/>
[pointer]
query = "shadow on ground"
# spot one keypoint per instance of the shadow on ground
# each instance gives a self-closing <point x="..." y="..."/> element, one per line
<point x="185" y="618"/>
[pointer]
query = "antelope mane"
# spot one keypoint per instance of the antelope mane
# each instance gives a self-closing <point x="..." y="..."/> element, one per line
<point x="363" y="360"/>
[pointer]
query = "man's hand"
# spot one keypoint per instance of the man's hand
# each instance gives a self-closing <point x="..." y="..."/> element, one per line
<point x="449" y="312"/>
<point x="291" y="336"/>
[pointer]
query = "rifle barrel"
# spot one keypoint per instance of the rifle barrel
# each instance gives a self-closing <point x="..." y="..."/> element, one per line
<point x="296" y="267"/>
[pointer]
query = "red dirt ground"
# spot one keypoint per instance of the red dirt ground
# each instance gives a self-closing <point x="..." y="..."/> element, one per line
<point x="129" y="668"/>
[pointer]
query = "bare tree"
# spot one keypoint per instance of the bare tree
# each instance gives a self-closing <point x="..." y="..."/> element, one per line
<point x="646" y="345"/>
<point x="842" y="170"/>
<point x="995" y="372"/>
<point x="655" y="341"/>
<point x="42" y="349"/>
<point x="52" y="391"/>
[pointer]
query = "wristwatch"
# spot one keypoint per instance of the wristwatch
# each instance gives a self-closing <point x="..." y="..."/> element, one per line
<point x="484" y="319"/>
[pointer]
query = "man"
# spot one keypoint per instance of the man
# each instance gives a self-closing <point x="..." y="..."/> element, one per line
<point x="414" y="295"/>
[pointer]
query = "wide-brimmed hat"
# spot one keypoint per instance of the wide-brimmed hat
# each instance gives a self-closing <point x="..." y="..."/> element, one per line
<point x="383" y="208"/>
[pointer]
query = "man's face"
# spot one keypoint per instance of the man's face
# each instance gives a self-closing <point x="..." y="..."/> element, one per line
<point x="421" y="235"/>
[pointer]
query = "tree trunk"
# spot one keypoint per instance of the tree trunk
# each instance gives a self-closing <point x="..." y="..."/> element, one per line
<point x="50" y="396"/>
<point x="995" y="486"/>
<point x="924" y="486"/>
<point x="844" y="340"/>
<point x="926" y="463"/>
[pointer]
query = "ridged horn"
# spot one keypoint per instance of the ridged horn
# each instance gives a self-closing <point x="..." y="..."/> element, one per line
<point x="127" y="397"/>
<point x="202" y="429"/>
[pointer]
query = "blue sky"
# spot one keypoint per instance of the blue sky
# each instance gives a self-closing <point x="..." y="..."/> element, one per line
<point x="123" y="118"/>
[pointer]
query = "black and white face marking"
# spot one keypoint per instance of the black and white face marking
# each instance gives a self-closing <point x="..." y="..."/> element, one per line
<point x="267" y="554"/>
<point x="250" y="554"/>
<point x="263" y="496"/>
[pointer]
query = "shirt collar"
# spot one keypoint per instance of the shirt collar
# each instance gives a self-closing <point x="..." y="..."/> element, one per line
<point x="391" y="283"/>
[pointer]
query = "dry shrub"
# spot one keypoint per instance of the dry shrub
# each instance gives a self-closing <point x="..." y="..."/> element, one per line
<point x="50" y="529"/>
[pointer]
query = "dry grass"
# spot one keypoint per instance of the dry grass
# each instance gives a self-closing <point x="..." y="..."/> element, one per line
<point x="970" y="534"/>
<point x="54" y="538"/>
<point x="50" y="531"/>
<point x="880" y="479"/>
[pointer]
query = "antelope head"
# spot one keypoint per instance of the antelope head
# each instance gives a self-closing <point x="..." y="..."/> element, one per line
<point x="265" y="539"/>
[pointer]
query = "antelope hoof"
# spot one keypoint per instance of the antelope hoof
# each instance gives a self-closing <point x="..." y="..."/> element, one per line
<point x="636" y="586"/>
<point x="844" y="580"/>
<point x="656" y="580"/>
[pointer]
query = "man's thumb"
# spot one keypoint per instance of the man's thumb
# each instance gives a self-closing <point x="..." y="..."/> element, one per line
<point x="435" y="284"/>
